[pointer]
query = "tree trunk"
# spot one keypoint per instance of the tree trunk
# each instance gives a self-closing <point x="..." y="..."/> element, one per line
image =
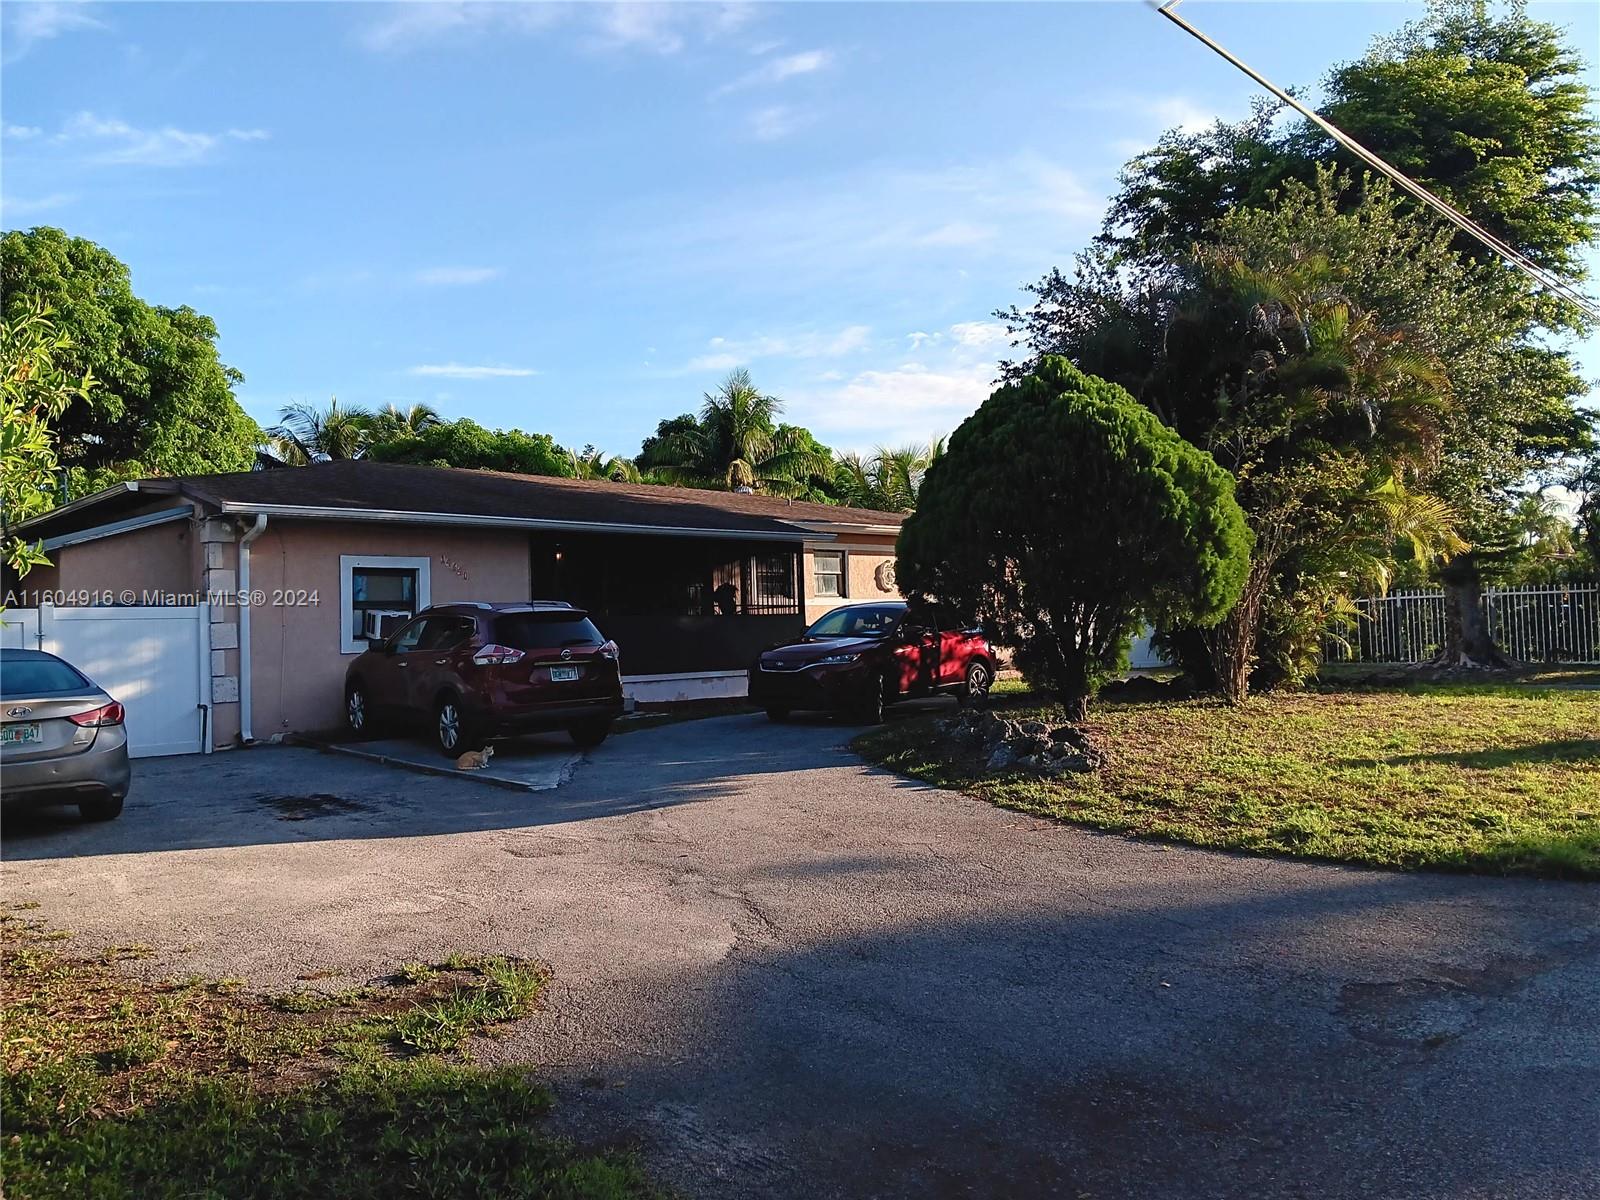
<point x="1467" y="642"/>
<point x="1233" y="641"/>
<point x="1076" y="707"/>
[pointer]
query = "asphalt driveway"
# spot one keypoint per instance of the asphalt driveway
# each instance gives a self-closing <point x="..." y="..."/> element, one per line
<point x="784" y="973"/>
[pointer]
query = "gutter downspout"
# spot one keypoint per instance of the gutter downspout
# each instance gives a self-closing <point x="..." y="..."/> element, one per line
<point x="245" y="736"/>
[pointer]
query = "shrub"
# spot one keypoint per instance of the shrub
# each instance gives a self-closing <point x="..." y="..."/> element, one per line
<point x="1063" y="516"/>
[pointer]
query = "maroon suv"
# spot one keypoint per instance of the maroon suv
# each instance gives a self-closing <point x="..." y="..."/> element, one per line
<point x="471" y="671"/>
<point x="863" y="656"/>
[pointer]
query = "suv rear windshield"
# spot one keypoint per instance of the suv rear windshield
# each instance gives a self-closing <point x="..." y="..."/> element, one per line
<point x="36" y="676"/>
<point x="545" y="631"/>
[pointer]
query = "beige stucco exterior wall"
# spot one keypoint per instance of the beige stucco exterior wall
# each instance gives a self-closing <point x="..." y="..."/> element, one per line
<point x="864" y="553"/>
<point x="146" y="566"/>
<point x="297" y="666"/>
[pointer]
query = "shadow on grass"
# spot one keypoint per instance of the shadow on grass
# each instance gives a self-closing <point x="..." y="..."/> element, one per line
<point x="1561" y="750"/>
<point x="418" y="1127"/>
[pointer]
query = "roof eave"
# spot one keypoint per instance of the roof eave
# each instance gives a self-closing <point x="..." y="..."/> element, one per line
<point x="469" y="520"/>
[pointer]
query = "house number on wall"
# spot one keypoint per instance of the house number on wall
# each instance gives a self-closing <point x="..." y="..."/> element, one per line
<point x="884" y="577"/>
<point x="454" y="566"/>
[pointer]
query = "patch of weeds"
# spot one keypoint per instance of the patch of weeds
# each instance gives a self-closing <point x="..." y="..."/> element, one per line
<point x="505" y="990"/>
<point x="302" y="1001"/>
<point x="415" y="972"/>
<point x="25" y="905"/>
<point x="228" y="985"/>
<point x="111" y="1086"/>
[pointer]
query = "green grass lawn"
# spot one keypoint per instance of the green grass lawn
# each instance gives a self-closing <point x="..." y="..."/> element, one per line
<point x="1491" y="779"/>
<point x="187" y="1088"/>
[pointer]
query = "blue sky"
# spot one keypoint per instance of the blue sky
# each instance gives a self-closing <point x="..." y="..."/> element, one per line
<point x="575" y="218"/>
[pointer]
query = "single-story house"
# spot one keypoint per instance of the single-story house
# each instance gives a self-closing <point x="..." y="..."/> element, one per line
<point x="689" y="583"/>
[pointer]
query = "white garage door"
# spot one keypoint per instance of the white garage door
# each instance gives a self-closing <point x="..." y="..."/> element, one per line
<point x="153" y="660"/>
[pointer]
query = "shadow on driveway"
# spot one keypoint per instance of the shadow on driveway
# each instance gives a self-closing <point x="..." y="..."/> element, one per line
<point x="275" y="794"/>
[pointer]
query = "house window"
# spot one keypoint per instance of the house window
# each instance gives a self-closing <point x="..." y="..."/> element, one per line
<point x="828" y="574"/>
<point x="772" y="590"/>
<point x="378" y="593"/>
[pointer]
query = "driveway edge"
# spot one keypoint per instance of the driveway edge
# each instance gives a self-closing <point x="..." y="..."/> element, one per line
<point x="406" y="764"/>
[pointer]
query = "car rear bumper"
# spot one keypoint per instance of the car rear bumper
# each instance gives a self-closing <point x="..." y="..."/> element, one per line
<point x="552" y="716"/>
<point x="811" y="688"/>
<point x="100" y="771"/>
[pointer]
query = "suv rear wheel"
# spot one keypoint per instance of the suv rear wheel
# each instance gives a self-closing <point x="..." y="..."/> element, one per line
<point x="452" y="732"/>
<point x="590" y="733"/>
<point x="358" y="715"/>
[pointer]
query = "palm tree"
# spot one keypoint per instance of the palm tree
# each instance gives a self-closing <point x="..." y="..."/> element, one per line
<point x="305" y="434"/>
<point x="392" y="422"/>
<point x="889" y="480"/>
<point x="590" y="463"/>
<point x="737" y="444"/>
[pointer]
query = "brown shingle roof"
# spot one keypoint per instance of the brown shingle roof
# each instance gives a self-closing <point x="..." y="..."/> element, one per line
<point x="360" y="485"/>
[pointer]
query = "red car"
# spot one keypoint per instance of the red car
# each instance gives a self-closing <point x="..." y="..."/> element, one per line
<point x="862" y="656"/>
<point x="471" y="671"/>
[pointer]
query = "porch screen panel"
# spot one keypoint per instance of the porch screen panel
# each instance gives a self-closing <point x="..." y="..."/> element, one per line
<point x="772" y="585"/>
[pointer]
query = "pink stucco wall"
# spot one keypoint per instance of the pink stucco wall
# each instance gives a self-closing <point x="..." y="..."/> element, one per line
<point x="863" y="555"/>
<point x="152" y="564"/>
<point x="297" y="667"/>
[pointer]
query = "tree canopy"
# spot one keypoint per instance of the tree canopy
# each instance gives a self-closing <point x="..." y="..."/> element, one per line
<point x="736" y="441"/>
<point x="1103" y="519"/>
<point x="465" y="443"/>
<point x="164" y="403"/>
<point x="34" y="391"/>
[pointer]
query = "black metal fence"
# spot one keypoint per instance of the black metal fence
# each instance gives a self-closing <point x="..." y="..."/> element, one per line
<point x="1534" y="623"/>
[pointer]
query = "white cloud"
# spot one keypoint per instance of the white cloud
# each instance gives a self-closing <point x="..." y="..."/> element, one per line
<point x="659" y="28"/>
<point x="776" y="121"/>
<point x="26" y="25"/>
<point x="776" y="70"/>
<point x="463" y="371"/>
<point x="22" y="132"/>
<point x="457" y="276"/>
<point x="885" y="225"/>
<point x="726" y="353"/>
<point x="911" y="402"/>
<point x="112" y="141"/>
<point x="16" y="207"/>
<point x="1177" y="112"/>
<point x="980" y="335"/>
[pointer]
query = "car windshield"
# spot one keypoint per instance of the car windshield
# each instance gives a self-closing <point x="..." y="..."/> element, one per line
<point x="21" y="677"/>
<point x="545" y="631"/>
<point x="858" y="622"/>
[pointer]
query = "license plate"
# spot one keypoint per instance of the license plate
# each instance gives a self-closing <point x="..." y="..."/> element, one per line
<point x="20" y="734"/>
<point x="563" y="674"/>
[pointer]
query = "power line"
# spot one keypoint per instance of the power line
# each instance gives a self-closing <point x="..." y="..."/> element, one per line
<point x="1543" y="277"/>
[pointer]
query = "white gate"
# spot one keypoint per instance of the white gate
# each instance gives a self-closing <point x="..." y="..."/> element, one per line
<point x="155" y="661"/>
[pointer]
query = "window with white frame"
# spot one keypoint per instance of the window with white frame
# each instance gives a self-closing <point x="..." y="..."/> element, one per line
<point x="828" y="573"/>
<point x="377" y="594"/>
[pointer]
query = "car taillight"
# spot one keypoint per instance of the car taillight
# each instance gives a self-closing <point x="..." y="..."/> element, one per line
<point x="494" y="655"/>
<point x="611" y="651"/>
<point x="110" y="714"/>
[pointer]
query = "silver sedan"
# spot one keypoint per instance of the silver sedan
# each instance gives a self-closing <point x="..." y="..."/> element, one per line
<point x="62" y="739"/>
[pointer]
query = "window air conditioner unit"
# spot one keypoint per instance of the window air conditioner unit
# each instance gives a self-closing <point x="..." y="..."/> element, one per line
<point x="378" y="623"/>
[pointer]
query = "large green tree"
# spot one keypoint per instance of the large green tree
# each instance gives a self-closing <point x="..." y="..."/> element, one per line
<point x="1488" y="108"/>
<point x="164" y="404"/>
<point x="1304" y="346"/>
<point x="34" y="392"/>
<point x="465" y="443"/>
<point x="1103" y="519"/>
